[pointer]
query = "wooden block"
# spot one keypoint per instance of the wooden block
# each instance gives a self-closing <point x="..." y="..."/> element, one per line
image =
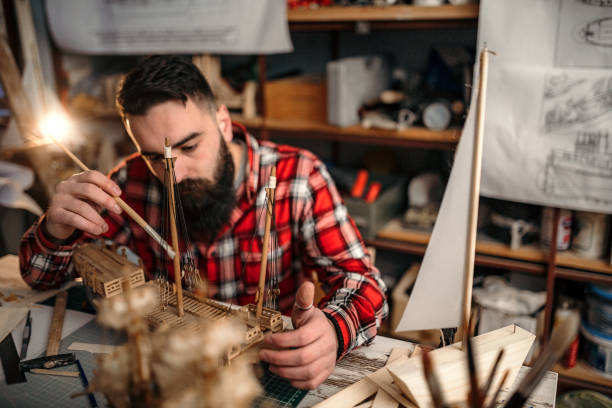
<point x="351" y="395"/>
<point x="450" y="365"/>
<point x="57" y="322"/>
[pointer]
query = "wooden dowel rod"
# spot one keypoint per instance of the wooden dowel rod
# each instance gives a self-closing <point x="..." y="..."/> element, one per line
<point x="470" y="250"/>
<point x="57" y="323"/>
<point x="264" y="251"/>
<point x="173" y="231"/>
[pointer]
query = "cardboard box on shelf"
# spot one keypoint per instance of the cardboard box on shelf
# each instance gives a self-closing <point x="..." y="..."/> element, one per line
<point x="300" y="98"/>
<point x="399" y="300"/>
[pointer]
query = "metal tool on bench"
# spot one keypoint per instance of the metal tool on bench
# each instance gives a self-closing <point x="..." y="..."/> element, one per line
<point x="25" y="338"/>
<point x="45" y="364"/>
<point x="48" y="362"/>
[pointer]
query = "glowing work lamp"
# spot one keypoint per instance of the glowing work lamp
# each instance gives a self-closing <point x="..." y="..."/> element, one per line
<point x="55" y="126"/>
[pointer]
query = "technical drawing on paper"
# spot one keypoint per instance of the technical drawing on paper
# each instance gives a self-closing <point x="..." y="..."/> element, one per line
<point x="574" y="104"/>
<point x="585" y="173"/>
<point x="599" y="3"/>
<point x="597" y="32"/>
<point x="559" y="84"/>
<point x="584" y="34"/>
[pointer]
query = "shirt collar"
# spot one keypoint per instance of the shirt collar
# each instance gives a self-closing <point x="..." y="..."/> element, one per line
<point x="251" y="178"/>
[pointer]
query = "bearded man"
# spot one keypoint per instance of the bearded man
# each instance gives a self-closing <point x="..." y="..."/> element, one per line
<point x="222" y="173"/>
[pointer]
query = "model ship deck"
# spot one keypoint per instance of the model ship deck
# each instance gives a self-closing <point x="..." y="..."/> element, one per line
<point x="105" y="271"/>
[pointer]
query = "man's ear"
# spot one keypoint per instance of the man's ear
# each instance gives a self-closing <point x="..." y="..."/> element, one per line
<point x="224" y="121"/>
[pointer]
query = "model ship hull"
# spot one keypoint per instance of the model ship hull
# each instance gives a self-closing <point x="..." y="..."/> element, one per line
<point x="107" y="274"/>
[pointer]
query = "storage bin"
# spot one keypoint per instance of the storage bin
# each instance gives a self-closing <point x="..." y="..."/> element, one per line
<point x="371" y="217"/>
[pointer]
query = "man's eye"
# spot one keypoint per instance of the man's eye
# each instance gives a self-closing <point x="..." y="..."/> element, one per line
<point x="189" y="148"/>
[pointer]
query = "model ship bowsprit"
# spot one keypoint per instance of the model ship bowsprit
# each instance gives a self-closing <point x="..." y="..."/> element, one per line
<point x="108" y="273"/>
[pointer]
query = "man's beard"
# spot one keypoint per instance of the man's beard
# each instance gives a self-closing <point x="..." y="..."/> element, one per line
<point x="207" y="205"/>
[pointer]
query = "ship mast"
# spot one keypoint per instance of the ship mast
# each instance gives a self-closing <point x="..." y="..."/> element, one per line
<point x="264" y="251"/>
<point x="172" y="208"/>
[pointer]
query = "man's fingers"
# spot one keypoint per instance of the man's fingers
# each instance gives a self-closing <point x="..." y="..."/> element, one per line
<point x="100" y="180"/>
<point x="292" y="357"/>
<point x="75" y="220"/>
<point x="304" y="296"/>
<point x="311" y="384"/>
<point x="295" y="338"/>
<point x="300" y="373"/>
<point x="92" y="193"/>
<point x="303" y="306"/>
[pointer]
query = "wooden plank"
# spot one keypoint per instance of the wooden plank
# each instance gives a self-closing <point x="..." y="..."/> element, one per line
<point x="392" y="13"/>
<point x="57" y="322"/>
<point x="360" y="390"/>
<point x="383" y="399"/>
<point x="583" y="372"/>
<point x="532" y="253"/>
<point x="450" y="364"/>
<point x="571" y="260"/>
<point x="55" y="372"/>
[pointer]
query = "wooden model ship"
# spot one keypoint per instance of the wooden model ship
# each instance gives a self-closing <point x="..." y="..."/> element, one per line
<point x="108" y="274"/>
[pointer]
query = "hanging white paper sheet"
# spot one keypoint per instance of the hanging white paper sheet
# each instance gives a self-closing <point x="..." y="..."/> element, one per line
<point x="548" y="125"/>
<point x="170" y="26"/>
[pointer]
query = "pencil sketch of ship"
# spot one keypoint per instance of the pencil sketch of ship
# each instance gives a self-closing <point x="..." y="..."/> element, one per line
<point x="580" y="106"/>
<point x="585" y="172"/>
<point x="598" y="3"/>
<point x="597" y="32"/>
<point x="557" y="85"/>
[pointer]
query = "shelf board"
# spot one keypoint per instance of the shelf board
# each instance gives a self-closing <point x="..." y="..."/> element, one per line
<point x="411" y="137"/>
<point x="583" y="375"/>
<point x="394" y="230"/>
<point x="571" y="260"/>
<point x="390" y="13"/>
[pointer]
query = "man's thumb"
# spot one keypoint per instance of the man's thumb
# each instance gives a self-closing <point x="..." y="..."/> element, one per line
<point x="303" y="305"/>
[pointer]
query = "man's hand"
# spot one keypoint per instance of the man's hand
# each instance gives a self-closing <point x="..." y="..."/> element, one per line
<point x="305" y="356"/>
<point x="77" y="203"/>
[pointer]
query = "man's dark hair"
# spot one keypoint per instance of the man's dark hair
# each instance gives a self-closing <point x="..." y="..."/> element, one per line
<point x="162" y="78"/>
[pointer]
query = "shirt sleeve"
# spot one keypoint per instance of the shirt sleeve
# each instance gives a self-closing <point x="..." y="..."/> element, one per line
<point x="356" y="302"/>
<point x="46" y="262"/>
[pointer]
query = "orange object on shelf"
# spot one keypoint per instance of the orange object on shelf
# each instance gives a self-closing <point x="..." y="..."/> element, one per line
<point x="360" y="184"/>
<point x="373" y="192"/>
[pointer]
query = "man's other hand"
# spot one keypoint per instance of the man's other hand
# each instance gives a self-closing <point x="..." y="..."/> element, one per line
<point x="305" y="356"/>
<point x="77" y="204"/>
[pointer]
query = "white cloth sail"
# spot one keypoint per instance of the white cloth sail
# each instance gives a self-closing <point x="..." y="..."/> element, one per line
<point x="436" y="298"/>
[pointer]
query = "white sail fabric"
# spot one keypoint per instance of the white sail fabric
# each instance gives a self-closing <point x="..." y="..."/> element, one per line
<point x="436" y="298"/>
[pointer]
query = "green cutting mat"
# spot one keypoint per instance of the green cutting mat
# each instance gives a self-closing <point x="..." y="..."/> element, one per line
<point x="278" y="392"/>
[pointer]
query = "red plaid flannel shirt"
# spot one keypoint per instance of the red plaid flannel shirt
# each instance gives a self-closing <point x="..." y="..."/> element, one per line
<point x="314" y="231"/>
